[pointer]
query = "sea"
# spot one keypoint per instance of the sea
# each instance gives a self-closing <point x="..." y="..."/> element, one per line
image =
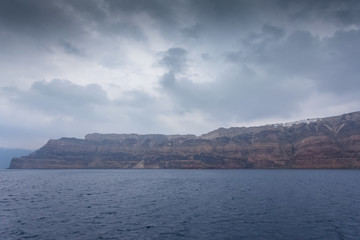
<point x="179" y="204"/>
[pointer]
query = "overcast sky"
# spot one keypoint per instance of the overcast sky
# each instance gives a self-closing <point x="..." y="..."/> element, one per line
<point x="72" y="67"/>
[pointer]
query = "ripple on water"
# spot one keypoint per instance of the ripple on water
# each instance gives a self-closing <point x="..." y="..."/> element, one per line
<point x="180" y="204"/>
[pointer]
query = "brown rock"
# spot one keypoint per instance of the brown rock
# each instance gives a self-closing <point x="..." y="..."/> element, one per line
<point x="332" y="142"/>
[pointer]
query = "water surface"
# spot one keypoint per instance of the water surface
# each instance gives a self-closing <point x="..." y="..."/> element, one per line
<point x="179" y="204"/>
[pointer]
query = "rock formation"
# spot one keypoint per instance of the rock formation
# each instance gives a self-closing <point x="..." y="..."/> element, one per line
<point x="332" y="142"/>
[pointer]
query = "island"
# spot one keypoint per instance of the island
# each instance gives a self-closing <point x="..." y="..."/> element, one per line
<point x="331" y="142"/>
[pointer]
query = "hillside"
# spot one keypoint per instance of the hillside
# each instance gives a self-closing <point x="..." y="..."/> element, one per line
<point x="6" y="154"/>
<point x="332" y="142"/>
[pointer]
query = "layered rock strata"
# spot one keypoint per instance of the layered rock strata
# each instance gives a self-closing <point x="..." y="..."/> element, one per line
<point x="332" y="142"/>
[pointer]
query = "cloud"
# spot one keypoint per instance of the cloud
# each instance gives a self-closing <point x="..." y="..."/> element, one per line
<point x="182" y="66"/>
<point x="38" y="19"/>
<point x="62" y="108"/>
<point x="192" y="32"/>
<point x="344" y="12"/>
<point x="60" y="97"/>
<point x="339" y="72"/>
<point x="71" y="49"/>
<point x="238" y="94"/>
<point x="272" y="74"/>
<point x="330" y="63"/>
<point x="174" y="60"/>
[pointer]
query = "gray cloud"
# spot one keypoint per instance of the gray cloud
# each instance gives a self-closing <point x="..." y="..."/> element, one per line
<point x="60" y="97"/>
<point x="224" y="11"/>
<point x="339" y="72"/>
<point x="174" y="63"/>
<point x="255" y="43"/>
<point x="273" y="32"/>
<point x="71" y="49"/>
<point x="174" y="60"/>
<point x="238" y="95"/>
<point x="344" y="12"/>
<point x="72" y="20"/>
<point x="115" y="17"/>
<point x="159" y="9"/>
<point x="90" y="103"/>
<point x="192" y="32"/>
<point x="38" y="19"/>
<point x="331" y="63"/>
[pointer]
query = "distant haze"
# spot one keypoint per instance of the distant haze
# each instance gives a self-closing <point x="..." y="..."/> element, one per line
<point x="72" y="67"/>
<point x="7" y="154"/>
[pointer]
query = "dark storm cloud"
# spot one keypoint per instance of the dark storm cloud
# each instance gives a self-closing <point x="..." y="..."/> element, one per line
<point x="255" y="43"/>
<point x="174" y="60"/>
<point x="237" y="97"/>
<point x="70" y="48"/>
<point x="344" y="12"/>
<point x="295" y="63"/>
<point x="192" y="32"/>
<point x="91" y="9"/>
<point x="206" y="61"/>
<point x="332" y="63"/>
<point x="223" y="11"/>
<point x="239" y="94"/>
<point x="54" y="20"/>
<point x="68" y="16"/>
<point x="340" y="70"/>
<point x="116" y="17"/>
<point x="272" y="31"/>
<point x="37" y="18"/>
<point x="65" y="18"/>
<point x="294" y="55"/>
<point x="162" y="11"/>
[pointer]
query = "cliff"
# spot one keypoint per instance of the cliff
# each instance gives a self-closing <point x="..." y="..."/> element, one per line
<point x="332" y="142"/>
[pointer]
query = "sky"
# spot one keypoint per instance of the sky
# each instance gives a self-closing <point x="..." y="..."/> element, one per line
<point x="73" y="67"/>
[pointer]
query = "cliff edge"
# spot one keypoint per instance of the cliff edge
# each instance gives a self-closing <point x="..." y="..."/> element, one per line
<point x="332" y="142"/>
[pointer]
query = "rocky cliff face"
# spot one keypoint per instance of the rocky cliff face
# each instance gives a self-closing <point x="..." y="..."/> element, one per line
<point x="332" y="142"/>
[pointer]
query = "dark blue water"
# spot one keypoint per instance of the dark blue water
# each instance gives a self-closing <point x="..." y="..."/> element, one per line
<point x="179" y="204"/>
